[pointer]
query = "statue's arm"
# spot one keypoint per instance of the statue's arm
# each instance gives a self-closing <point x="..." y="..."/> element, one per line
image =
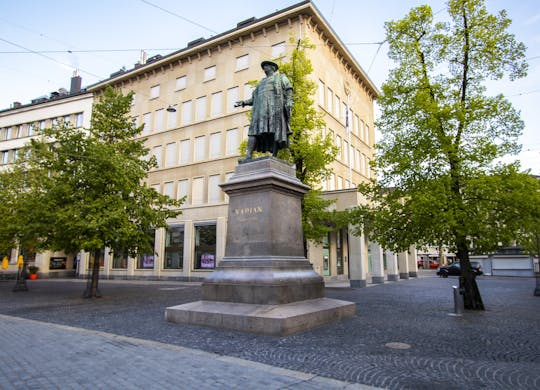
<point x="243" y="103"/>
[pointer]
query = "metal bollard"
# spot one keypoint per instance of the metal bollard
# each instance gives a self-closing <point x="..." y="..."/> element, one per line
<point x="459" y="305"/>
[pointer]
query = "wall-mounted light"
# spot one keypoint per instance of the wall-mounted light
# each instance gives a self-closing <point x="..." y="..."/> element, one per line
<point x="171" y="109"/>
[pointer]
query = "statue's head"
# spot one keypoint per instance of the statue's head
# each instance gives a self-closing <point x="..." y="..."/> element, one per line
<point x="272" y="64"/>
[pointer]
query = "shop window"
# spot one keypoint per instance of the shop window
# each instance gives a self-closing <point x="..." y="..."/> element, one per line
<point x="205" y="246"/>
<point x="101" y="259"/>
<point x="174" y="247"/>
<point x="146" y="260"/>
<point x="120" y="259"/>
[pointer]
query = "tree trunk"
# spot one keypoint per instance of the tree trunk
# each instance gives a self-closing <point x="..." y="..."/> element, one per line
<point x="467" y="281"/>
<point x="92" y="284"/>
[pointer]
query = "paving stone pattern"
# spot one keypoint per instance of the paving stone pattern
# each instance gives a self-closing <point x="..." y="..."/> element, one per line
<point x="495" y="349"/>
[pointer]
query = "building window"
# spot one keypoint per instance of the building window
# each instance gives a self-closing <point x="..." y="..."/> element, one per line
<point x="215" y="145"/>
<point x="337" y="107"/>
<point x="120" y="259"/>
<point x="213" y="188"/>
<point x="197" y="191"/>
<point x="172" y="117"/>
<point x="278" y="50"/>
<point x="329" y="100"/>
<point x="338" y="144"/>
<point x="147" y="121"/>
<point x="367" y="134"/>
<point x="5" y="157"/>
<point x="321" y="91"/>
<point x="183" y="189"/>
<point x="67" y="119"/>
<point x="19" y="131"/>
<point x="154" y="92"/>
<point x="170" y="154"/>
<point x="339" y="183"/>
<point x="332" y="182"/>
<point x="346" y="152"/>
<point x="9" y="132"/>
<point x="31" y="129"/>
<point x="232" y="97"/>
<point x="205" y="246"/>
<point x="168" y="189"/>
<point x="146" y="260"/>
<point x="79" y="120"/>
<point x="210" y="73"/>
<point x="158" y="155"/>
<point x="248" y="90"/>
<point x="185" y="151"/>
<point x="174" y="247"/>
<point x="200" y="108"/>
<point x="232" y="142"/>
<point x="181" y="83"/>
<point x="216" y="104"/>
<point x="187" y="108"/>
<point x="42" y="125"/>
<point x="158" y="123"/>
<point x="242" y="62"/>
<point x="200" y="148"/>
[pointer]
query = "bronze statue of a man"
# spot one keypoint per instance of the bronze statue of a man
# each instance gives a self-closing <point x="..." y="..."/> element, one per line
<point x="270" y="128"/>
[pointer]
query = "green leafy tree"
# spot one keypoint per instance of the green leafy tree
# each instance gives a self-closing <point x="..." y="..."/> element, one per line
<point x="86" y="188"/>
<point x="439" y="180"/>
<point x="310" y="151"/>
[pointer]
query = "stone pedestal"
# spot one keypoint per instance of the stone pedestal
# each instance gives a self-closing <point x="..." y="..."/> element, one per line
<point x="264" y="284"/>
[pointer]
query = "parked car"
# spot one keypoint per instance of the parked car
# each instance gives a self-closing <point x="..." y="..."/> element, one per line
<point x="432" y="264"/>
<point x="454" y="269"/>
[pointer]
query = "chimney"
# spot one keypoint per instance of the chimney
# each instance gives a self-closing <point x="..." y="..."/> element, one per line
<point x="76" y="82"/>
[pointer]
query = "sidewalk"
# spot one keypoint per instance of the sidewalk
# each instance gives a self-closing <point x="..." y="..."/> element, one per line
<point x="38" y="355"/>
<point x="402" y="337"/>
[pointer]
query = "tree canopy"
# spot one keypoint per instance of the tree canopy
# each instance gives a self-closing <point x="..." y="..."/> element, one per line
<point x="439" y="179"/>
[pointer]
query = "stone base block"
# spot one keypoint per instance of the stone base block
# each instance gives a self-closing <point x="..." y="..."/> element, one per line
<point x="393" y="277"/>
<point x="413" y="274"/>
<point x="377" y="279"/>
<point x="275" y="320"/>
<point x="403" y="275"/>
<point x="358" y="283"/>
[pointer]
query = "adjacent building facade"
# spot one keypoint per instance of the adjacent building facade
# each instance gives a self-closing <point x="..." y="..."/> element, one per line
<point x="18" y="125"/>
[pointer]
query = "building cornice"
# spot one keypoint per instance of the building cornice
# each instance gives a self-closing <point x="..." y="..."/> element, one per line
<point x="305" y="11"/>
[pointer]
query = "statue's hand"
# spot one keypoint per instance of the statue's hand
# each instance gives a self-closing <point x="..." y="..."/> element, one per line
<point x="239" y="103"/>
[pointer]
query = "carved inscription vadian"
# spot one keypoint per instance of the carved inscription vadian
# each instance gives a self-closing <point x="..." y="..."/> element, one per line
<point x="248" y="210"/>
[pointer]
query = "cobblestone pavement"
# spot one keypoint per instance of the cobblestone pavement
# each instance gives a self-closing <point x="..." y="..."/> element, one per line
<point x="402" y="337"/>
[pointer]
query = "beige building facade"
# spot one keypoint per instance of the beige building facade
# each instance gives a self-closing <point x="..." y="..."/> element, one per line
<point x="186" y="102"/>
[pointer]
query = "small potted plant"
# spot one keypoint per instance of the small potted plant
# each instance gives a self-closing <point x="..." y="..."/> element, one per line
<point x="32" y="272"/>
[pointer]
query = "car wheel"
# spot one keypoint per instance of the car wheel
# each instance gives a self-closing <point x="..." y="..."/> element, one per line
<point x="444" y="274"/>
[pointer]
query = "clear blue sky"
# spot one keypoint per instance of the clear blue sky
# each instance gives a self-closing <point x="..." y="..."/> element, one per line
<point x="41" y="42"/>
